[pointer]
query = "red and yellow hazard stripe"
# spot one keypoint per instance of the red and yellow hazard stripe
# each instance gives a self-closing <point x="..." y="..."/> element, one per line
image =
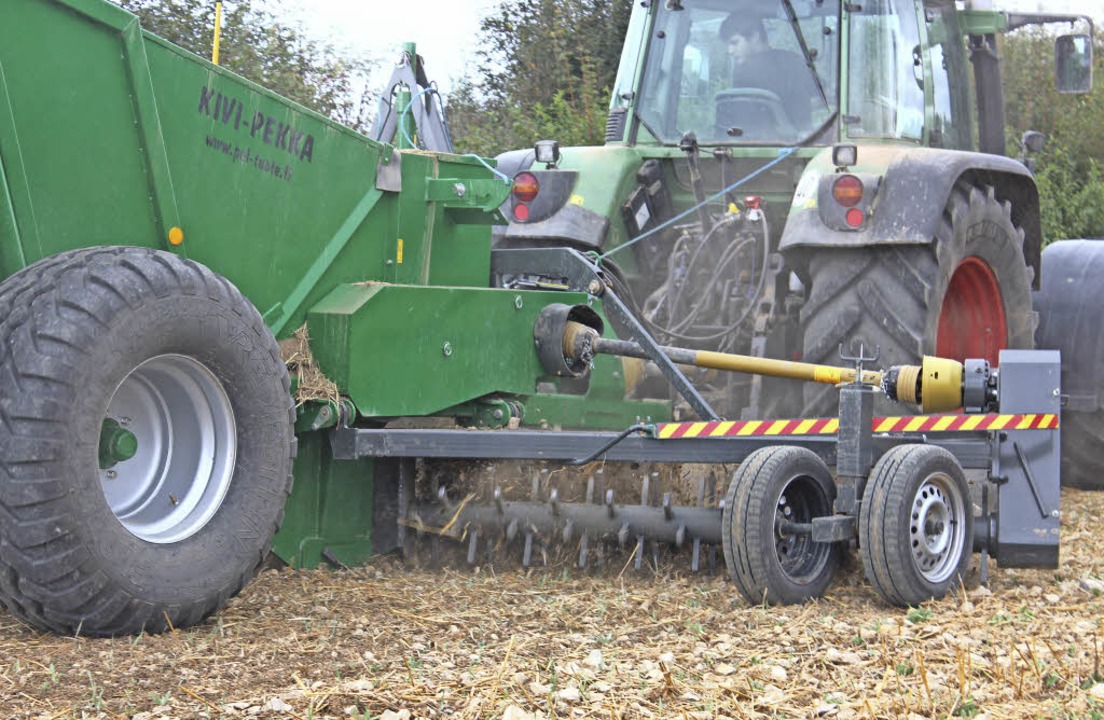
<point x="830" y="426"/>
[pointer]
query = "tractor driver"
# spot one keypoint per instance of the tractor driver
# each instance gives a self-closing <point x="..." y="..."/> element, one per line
<point x="755" y="64"/>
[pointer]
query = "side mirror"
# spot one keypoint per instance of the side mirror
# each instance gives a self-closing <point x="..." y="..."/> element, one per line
<point x="1033" y="142"/>
<point x="1073" y="63"/>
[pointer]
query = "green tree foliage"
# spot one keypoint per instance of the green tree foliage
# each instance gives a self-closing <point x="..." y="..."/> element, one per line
<point x="261" y="48"/>
<point x="1071" y="193"/>
<point x="1071" y="185"/>
<point x="545" y="71"/>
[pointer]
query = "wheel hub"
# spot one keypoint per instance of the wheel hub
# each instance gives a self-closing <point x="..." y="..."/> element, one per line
<point x="800" y="557"/>
<point x="117" y="444"/>
<point x="935" y="529"/>
<point x="167" y="449"/>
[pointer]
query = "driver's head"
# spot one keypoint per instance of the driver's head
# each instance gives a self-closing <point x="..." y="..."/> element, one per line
<point x="744" y="35"/>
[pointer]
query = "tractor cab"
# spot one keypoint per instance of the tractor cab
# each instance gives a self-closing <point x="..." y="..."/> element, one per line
<point x="759" y="77"/>
<point x="794" y="73"/>
<point x="815" y="72"/>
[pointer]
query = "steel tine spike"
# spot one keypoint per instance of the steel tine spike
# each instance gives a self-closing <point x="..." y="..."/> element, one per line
<point x="695" y="561"/>
<point x="668" y="513"/>
<point x="646" y="491"/>
<point x="527" y="555"/>
<point x="701" y="492"/>
<point x="639" y="562"/>
<point x="609" y="503"/>
<point x="590" y="490"/>
<point x="498" y="501"/>
<point x="554" y="501"/>
<point x="512" y="530"/>
<point x="583" y="551"/>
<point x="473" y="546"/>
<point x="534" y="490"/>
<point x="680" y="536"/>
<point x="443" y="498"/>
<point x="568" y="531"/>
<point x="623" y="535"/>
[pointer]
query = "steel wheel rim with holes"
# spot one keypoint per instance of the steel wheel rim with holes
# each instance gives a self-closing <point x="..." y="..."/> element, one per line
<point x="800" y="559"/>
<point x="936" y="521"/>
<point x="183" y="422"/>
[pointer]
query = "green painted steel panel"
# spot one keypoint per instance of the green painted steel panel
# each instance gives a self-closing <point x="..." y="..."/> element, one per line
<point x="330" y="507"/>
<point x="76" y="127"/>
<point x="408" y="350"/>
<point x="135" y="136"/>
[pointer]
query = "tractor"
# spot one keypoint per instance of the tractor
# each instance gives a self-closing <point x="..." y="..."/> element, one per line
<point x="852" y="186"/>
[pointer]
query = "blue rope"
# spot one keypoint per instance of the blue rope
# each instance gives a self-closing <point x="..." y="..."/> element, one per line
<point x="402" y="116"/>
<point x="782" y="155"/>
<point x="406" y="136"/>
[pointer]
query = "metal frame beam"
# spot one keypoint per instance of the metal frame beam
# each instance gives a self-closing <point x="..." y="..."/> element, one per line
<point x="348" y="443"/>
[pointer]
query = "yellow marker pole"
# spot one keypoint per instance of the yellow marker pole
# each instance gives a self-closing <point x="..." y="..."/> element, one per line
<point x="218" y="31"/>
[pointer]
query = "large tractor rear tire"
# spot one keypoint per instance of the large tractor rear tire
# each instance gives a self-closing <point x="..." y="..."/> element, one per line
<point x="1068" y="304"/>
<point x="146" y="441"/>
<point x="967" y="295"/>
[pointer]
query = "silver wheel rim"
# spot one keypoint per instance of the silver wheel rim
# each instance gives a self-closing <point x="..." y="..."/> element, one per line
<point x="936" y="526"/>
<point x="187" y="445"/>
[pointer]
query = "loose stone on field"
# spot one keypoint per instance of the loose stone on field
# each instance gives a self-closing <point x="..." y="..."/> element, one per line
<point x="403" y="714"/>
<point x="594" y="659"/>
<point x="836" y="657"/>
<point x="569" y="695"/>
<point x="279" y="706"/>
<point x="513" y="712"/>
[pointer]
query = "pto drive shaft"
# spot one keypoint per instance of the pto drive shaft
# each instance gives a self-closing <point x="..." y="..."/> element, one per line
<point x="936" y="385"/>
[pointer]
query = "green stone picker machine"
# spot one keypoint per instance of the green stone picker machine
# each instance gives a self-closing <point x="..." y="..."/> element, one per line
<point x="173" y="238"/>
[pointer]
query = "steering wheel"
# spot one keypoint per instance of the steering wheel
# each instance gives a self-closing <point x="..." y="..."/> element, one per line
<point x="757" y="113"/>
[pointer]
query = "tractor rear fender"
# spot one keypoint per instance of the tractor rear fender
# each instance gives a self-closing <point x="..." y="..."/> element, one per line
<point x="911" y="189"/>
<point x="578" y="201"/>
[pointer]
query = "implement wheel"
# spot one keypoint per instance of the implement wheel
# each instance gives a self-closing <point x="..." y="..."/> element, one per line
<point x="966" y="295"/>
<point x="916" y="524"/>
<point x="147" y="435"/>
<point x="772" y="490"/>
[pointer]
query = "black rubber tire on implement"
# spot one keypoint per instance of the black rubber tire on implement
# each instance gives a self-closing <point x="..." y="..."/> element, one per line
<point x="1068" y="304"/>
<point x="892" y="296"/>
<point x="772" y="484"/>
<point x="916" y="524"/>
<point x="169" y="535"/>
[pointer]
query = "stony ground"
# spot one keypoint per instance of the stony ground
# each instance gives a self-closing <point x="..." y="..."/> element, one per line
<point x="383" y="642"/>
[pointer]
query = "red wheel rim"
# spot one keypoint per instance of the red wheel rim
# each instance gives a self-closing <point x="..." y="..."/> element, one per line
<point x="972" y="323"/>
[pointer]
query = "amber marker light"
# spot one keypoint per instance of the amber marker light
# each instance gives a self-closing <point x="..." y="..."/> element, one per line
<point x="176" y="236"/>
<point x="526" y="187"/>
<point x="847" y="190"/>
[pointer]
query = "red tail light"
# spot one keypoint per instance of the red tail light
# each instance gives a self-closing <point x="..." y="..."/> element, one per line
<point x="526" y="186"/>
